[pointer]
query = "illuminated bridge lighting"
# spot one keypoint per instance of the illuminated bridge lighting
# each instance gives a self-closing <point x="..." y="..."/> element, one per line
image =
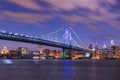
<point x="54" y="39"/>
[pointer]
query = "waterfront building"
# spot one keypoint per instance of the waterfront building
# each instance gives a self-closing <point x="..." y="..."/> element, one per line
<point x="23" y="53"/>
<point x="22" y="50"/>
<point x="14" y="54"/>
<point x="4" y="50"/>
<point x="4" y="53"/>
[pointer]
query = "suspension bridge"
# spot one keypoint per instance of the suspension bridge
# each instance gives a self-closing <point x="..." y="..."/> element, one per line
<point x="65" y="38"/>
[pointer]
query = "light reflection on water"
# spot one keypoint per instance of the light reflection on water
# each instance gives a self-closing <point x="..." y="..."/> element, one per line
<point x="67" y="71"/>
<point x="7" y="61"/>
<point x="59" y="70"/>
<point x="36" y="61"/>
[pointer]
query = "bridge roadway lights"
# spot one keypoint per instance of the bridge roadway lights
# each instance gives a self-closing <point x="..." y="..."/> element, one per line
<point x="33" y="40"/>
<point x="66" y="54"/>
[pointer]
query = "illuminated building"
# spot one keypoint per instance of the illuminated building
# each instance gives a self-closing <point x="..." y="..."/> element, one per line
<point x="113" y="46"/>
<point x="95" y="54"/>
<point x="46" y="51"/>
<point x="112" y="43"/>
<point x="13" y="54"/>
<point x="51" y="54"/>
<point x="58" y="55"/>
<point x="4" y="50"/>
<point x="117" y="52"/>
<point x="80" y="55"/>
<point x="40" y="49"/>
<point x="22" y="50"/>
<point x="104" y="46"/>
<point x="23" y="53"/>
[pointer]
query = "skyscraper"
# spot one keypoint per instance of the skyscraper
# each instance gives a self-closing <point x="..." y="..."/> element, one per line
<point x="113" y="46"/>
<point x="112" y="43"/>
<point x="90" y="47"/>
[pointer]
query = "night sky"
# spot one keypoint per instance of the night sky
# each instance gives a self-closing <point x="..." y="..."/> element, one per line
<point x="93" y="20"/>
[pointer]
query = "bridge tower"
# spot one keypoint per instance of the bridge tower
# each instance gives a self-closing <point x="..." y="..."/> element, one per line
<point x="67" y="36"/>
<point x="67" y="40"/>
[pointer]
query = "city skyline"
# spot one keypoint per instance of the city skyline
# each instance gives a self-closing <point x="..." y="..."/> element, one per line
<point x="93" y="20"/>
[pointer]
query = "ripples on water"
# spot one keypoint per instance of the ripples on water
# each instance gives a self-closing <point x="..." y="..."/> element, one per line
<point x="59" y="70"/>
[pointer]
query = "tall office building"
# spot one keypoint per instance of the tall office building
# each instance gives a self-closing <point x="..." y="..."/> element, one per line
<point x="112" y="43"/>
<point x="113" y="46"/>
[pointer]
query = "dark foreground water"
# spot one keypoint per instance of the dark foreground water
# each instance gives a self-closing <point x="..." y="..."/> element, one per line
<point x="59" y="70"/>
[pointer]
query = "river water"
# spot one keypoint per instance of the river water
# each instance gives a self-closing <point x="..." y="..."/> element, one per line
<point x="59" y="69"/>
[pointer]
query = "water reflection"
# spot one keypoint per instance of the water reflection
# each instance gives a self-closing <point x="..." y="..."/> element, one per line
<point x="36" y="61"/>
<point x="59" y="70"/>
<point x="7" y="61"/>
<point x="67" y="70"/>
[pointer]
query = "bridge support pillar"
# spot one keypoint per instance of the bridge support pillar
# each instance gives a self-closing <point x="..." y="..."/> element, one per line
<point x="66" y="54"/>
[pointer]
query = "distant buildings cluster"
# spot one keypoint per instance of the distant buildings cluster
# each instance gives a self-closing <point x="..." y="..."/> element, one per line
<point x="112" y="52"/>
<point x="23" y="53"/>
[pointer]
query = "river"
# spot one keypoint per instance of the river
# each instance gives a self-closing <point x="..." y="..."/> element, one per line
<point x="59" y="69"/>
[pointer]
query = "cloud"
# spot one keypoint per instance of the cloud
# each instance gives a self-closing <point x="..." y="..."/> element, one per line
<point x="104" y="36"/>
<point x="73" y="4"/>
<point x="88" y="12"/>
<point x="31" y="4"/>
<point x="73" y="19"/>
<point x="22" y="17"/>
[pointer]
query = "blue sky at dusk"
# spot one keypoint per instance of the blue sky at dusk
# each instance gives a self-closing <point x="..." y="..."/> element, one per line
<point x="93" y="20"/>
